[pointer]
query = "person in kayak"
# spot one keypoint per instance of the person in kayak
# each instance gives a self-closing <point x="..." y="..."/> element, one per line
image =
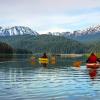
<point x="92" y="58"/>
<point x="44" y="56"/>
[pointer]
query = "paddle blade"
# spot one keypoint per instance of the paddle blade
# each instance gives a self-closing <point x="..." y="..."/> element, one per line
<point x="77" y="64"/>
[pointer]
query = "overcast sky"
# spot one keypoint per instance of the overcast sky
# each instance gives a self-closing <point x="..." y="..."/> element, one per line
<point x="50" y="15"/>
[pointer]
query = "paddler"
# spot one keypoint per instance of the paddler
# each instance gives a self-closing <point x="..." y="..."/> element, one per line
<point x="93" y="58"/>
<point x="44" y="56"/>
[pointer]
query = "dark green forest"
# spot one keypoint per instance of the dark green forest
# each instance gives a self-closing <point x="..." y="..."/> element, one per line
<point x="49" y="44"/>
<point x="6" y="51"/>
<point x="5" y="48"/>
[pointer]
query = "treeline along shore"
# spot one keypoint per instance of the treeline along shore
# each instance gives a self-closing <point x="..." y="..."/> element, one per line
<point x="57" y="45"/>
<point x="7" y="52"/>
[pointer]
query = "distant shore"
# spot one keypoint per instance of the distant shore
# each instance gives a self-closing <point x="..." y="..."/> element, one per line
<point x="70" y="55"/>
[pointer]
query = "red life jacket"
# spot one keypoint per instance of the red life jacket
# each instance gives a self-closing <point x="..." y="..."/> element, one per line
<point x="92" y="59"/>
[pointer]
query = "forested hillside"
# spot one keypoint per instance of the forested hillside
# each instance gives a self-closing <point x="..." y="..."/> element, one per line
<point x="6" y="51"/>
<point x="5" y="48"/>
<point x="45" y="43"/>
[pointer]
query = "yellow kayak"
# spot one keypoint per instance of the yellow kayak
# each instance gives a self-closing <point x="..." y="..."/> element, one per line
<point x="43" y="60"/>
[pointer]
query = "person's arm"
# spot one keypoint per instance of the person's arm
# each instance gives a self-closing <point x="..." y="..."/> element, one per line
<point x="87" y="61"/>
<point x="98" y="59"/>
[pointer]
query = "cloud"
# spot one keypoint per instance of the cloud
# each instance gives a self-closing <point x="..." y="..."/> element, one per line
<point x="43" y="15"/>
<point x="53" y="22"/>
<point x="46" y="6"/>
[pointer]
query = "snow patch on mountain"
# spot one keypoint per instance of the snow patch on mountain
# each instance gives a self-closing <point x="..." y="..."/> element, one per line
<point x="88" y="31"/>
<point x="16" y="30"/>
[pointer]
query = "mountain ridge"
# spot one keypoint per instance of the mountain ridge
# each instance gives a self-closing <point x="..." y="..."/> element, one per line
<point x="91" y="33"/>
<point x="89" y="30"/>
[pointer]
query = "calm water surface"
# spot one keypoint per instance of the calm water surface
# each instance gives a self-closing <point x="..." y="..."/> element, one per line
<point x="21" y="80"/>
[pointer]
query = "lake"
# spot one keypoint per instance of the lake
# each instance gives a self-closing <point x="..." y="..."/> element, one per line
<point x="22" y="80"/>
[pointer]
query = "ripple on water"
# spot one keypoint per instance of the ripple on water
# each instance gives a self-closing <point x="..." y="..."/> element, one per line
<point x="38" y="83"/>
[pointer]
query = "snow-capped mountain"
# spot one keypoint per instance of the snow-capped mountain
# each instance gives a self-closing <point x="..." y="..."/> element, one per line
<point x="91" y="30"/>
<point x="16" y="30"/>
<point x="91" y="33"/>
<point x="87" y="31"/>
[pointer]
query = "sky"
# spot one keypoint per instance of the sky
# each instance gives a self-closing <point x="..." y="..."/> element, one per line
<point x="50" y="15"/>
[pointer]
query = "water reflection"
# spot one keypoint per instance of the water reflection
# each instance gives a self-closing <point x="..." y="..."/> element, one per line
<point x="92" y="72"/>
<point x="6" y="57"/>
<point x="53" y="60"/>
<point x="21" y="80"/>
